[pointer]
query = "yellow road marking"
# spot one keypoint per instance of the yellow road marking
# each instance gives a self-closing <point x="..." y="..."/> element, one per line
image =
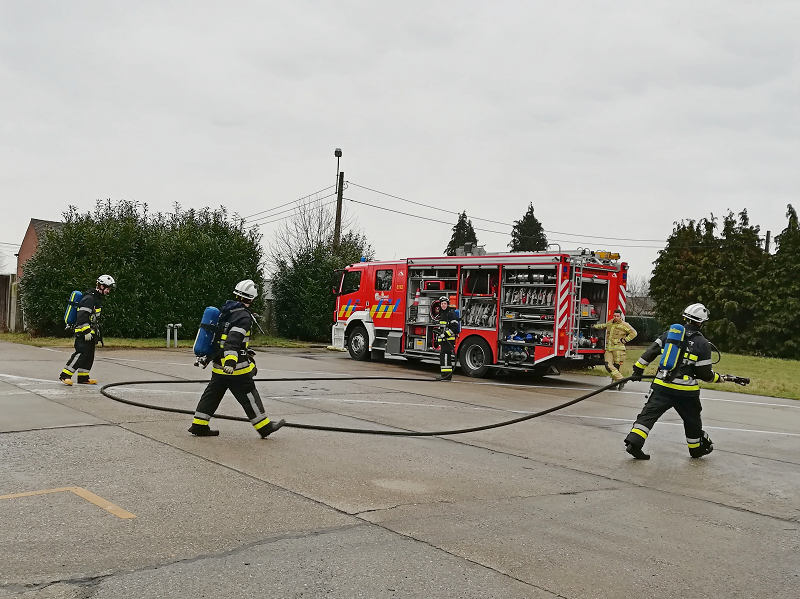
<point x="84" y="494"/>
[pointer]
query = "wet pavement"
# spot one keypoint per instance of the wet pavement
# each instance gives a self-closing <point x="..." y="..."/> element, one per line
<point x="551" y="507"/>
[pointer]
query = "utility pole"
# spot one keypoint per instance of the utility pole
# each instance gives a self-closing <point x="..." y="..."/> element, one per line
<point x="337" y="230"/>
<point x="766" y="246"/>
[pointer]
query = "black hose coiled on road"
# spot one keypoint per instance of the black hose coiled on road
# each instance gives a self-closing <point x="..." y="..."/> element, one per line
<point x="339" y="429"/>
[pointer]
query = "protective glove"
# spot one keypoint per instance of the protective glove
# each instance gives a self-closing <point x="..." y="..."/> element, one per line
<point x="449" y="333"/>
<point x="227" y="369"/>
<point x="638" y="372"/>
<point x="88" y="336"/>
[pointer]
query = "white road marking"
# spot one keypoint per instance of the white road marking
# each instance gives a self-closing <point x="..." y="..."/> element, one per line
<point x="642" y="393"/>
<point x="390" y="403"/>
<point x="27" y="378"/>
<point x="718" y="428"/>
<point x="147" y="361"/>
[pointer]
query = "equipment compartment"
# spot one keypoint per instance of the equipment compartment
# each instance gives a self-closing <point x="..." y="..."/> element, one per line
<point x="478" y="303"/>
<point x="528" y="301"/>
<point x="425" y="285"/>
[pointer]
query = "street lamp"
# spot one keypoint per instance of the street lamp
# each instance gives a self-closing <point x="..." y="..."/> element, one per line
<point x="338" y="153"/>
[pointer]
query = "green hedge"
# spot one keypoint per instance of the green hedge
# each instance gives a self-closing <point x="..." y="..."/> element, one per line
<point x="647" y="327"/>
<point x="168" y="267"/>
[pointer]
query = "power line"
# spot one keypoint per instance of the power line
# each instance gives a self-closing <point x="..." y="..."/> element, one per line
<point x="475" y="228"/>
<point x="255" y="221"/>
<point x="288" y="215"/>
<point x="503" y="223"/>
<point x="287" y="203"/>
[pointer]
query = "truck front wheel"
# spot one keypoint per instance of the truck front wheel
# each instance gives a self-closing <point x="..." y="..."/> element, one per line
<point x="475" y="357"/>
<point x="358" y="344"/>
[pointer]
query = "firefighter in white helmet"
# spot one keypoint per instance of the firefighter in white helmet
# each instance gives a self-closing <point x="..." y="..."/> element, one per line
<point x="618" y="333"/>
<point x="678" y="387"/>
<point x="87" y="332"/>
<point x="233" y="367"/>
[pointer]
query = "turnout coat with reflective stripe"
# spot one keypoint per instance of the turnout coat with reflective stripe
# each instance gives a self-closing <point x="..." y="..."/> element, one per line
<point x="695" y="363"/>
<point x="618" y="334"/>
<point x="448" y="323"/>
<point x="235" y="322"/>
<point x="88" y="311"/>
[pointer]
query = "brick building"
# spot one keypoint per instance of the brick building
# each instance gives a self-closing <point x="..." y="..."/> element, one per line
<point x="30" y="242"/>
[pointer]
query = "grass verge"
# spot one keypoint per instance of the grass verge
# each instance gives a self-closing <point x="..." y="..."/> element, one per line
<point x="118" y="342"/>
<point x="768" y="376"/>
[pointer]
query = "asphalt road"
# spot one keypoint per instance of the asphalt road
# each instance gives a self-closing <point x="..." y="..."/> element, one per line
<point x="552" y="507"/>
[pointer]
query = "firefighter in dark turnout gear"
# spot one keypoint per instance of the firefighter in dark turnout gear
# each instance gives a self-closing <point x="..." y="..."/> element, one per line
<point x="233" y="368"/>
<point x="678" y="388"/>
<point x="87" y="332"/>
<point x="448" y="328"/>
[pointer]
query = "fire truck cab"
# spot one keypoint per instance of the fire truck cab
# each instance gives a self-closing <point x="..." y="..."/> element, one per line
<point x="526" y="312"/>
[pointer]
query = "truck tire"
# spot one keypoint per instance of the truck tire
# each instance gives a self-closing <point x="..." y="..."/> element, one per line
<point x="358" y="344"/>
<point x="475" y="357"/>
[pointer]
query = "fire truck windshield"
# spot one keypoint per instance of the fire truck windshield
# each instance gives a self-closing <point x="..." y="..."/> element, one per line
<point x="351" y="282"/>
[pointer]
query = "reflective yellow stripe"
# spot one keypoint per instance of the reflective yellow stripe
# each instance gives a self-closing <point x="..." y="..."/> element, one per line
<point x="716" y="378"/>
<point x="199" y="421"/>
<point x="447" y="370"/>
<point x="224" y="336"/>
<point x="693" y="445"/>
<point x="262" y="424"/>
<point x="669" y="351"/>
<point x="642" y="434"/>
<point x="692" y="357"/>
<point x="65" y="371"/>
<point x="242" y="371"/>
<point x="678" y="387"/>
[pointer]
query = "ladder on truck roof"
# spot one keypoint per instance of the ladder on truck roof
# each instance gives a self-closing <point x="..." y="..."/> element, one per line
<point x="574" y="319"/>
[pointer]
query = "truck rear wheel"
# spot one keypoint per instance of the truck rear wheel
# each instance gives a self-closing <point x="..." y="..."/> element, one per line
<point x="475" y="357"/>
<point x="358" y="344"/>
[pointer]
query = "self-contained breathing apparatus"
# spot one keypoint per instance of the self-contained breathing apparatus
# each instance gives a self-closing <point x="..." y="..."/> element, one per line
<point x="207" y="343"/>
<point x="677" y="346"/>
<point x="439" y="330"/>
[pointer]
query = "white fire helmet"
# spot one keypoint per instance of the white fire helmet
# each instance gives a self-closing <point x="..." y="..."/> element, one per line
<point x="696" y="313"/>
<point x="246" y="289"/>
<point x="107" y="280"/>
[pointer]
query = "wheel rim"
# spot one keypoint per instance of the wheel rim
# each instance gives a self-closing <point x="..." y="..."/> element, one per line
<point x="475" y="357"/>
<point x="357" y="343"/>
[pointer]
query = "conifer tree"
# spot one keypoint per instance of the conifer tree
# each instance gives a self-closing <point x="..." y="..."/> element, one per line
<point x="462" y="233"/>
<point x="528" y="234"/>
<point x="723" y="272"/>
<point x="778" y="319"/>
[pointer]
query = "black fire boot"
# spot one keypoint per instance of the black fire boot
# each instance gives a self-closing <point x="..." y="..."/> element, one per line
<point x="266" y="430"/>
<point x="706" y="447"/>
<point x="636" y="451"/>
<point x="203" y="430"/>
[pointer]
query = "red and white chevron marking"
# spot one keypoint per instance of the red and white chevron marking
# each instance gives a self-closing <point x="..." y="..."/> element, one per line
<point x="563" y="304"/>
<point x="622" y="299"/>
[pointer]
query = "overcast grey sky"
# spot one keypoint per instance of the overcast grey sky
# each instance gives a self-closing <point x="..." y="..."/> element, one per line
<point x="614" y="118"/>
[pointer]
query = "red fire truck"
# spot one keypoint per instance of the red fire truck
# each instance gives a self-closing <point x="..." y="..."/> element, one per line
<point x="526" y="312"/>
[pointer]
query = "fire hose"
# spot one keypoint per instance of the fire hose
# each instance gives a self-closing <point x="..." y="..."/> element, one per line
<point x="338" y="429"/>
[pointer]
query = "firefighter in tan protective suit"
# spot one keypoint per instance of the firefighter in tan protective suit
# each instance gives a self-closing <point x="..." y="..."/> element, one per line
<point x="618" y="333"/>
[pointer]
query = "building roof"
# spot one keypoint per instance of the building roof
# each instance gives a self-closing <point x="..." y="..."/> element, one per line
<point x="40" y="225"/>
